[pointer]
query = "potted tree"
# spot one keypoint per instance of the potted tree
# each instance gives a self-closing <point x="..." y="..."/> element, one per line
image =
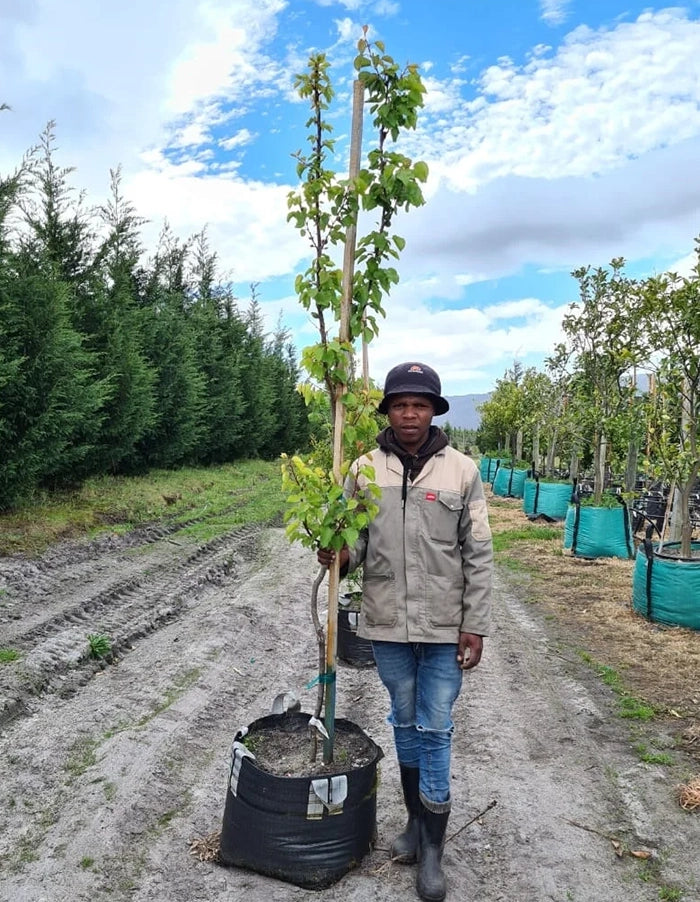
<point x="604" y="341"/>
<point x="666" y="580"/>
<point x="545" y="494"/>
<point x="315" y="832"/>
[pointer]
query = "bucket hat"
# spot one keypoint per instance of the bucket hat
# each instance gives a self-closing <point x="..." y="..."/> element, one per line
<point x="414" y="379"/>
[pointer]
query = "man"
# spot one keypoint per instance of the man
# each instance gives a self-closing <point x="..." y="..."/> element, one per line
<point x="427" y="562"/>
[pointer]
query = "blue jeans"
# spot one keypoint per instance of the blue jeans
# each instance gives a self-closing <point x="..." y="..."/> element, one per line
<point x="423" y="680"/>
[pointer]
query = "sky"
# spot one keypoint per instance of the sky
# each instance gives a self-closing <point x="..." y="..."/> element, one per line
<point x="558" y="134"/>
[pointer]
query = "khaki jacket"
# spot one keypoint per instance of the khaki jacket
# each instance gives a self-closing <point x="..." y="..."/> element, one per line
<point x="427" y="569"/>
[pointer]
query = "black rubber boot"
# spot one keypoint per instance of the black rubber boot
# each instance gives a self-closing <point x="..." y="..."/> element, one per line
<point x="430" y="883"/>
<point x="404" y="848"/>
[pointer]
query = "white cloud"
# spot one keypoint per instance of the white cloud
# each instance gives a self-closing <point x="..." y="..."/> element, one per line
<point x="245" y="220"/>
<point x="240" y="139"/>
<point x="554" y="12"/>
<point x="119" y="75"/>
<point x="585" y="151"/>
<point x="468" y="347"/>
<point x="685" y="266"/>
<point x="348" y="4"/>
<point x="652" y="205"/>
<point x="377" y="7"/>
<point x="601" y="99"/>
<point x="225" y="58"/>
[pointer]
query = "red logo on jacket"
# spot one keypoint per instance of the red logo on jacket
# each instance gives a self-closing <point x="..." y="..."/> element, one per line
<point x="430" y="496"/>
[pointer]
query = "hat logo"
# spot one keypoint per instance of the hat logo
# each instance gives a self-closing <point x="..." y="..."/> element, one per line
<point x="415" y="369"/>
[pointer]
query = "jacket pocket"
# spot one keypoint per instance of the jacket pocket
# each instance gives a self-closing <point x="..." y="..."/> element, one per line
<point x="379" y="599"/>
<point x="444" y="602"/>
<point x="443" y="517"/>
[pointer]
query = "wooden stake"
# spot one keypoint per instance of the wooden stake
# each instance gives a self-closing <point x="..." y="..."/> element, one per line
<point x="339" y="421"/>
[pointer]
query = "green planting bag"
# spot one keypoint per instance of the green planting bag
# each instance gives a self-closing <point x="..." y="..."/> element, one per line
<point x="548" y="499"/>
<point x="665" y="587"/>
<point x="509" y="483"/>
<point x="598" y="531"/>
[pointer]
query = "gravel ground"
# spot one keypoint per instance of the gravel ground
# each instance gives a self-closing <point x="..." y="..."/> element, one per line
<point x="109" y="770"/>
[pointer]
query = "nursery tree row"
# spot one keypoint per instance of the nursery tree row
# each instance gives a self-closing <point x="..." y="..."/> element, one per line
<point x="112" y="365"/>
<point x="621" y="392"/>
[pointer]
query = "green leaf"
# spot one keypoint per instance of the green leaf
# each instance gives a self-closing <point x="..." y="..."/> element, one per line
<point x="350" y="536"/>
<point x="420" y="170"/>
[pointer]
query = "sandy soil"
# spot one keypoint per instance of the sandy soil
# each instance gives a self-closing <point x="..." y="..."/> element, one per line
<point x="109" y="770"/>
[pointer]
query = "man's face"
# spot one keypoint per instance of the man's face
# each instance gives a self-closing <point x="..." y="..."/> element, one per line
<point x="410" y="417"/>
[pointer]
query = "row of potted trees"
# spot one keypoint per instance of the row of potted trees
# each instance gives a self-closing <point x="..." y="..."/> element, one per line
<point x="622" y="392"/>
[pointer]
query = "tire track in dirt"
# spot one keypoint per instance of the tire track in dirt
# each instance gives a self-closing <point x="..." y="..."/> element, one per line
<point x="114" y="761"/>
<point x="125" y="594"/>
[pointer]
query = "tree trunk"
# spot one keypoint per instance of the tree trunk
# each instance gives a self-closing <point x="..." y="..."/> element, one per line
<point x="601" y="448"/>
<point x="551" y="454"/>
<point x="573" y="465"/>
<point x="631" y="467"/>
<point x="536" y="449"/>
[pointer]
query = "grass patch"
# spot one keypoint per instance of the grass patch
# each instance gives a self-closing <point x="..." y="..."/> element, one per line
<point x="670" y="894"/>
<point x="99" y="645"/>
<point x="216" y="497"/>
<point x="167" y="816"/>
<point x="629" y="707"/>
<point x="506" y="539"/>
<point x="517" y="566"/>
<point x="635" y="709"/>
<point x="7" y="655"/>
<point x="82" y="756"/>
<point x="650" y="757"/>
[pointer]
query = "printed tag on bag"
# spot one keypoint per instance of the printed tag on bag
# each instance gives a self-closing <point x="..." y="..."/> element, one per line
<point x="327" y="793"/>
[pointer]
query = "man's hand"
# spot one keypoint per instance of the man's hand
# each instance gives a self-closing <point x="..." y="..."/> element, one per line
<point x="325" y="557"/>
<point x="469" y="651"/>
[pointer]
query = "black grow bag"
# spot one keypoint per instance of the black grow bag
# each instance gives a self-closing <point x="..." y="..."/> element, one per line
<point x="308" y="830"/>
<point x="352" y="649"/>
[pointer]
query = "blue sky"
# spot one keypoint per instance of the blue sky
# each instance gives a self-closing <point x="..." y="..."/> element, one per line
<point x="559" y="133"/>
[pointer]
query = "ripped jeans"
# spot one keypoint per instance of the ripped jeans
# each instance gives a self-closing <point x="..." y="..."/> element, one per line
<point x="423" y="680"/>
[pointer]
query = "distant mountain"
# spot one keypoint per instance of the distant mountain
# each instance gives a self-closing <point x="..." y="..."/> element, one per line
<point x="462" y="413"/>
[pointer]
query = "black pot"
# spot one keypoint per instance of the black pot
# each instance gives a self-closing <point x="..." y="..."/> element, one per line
<point x="308" y="830"/>
<point x="352" y="649"/>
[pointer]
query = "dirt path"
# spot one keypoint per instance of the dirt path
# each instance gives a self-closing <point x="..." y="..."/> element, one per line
<point x="107" y="773"/>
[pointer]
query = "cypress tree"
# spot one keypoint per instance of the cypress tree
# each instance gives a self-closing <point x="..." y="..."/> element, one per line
<point x="50" y="401"/>
<point x="175" y="436"/>
<point x="113" y="321"/>
<point x="48" y="390"/>
<point x="289" y="432"/>
<point x="219" y="336"/>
